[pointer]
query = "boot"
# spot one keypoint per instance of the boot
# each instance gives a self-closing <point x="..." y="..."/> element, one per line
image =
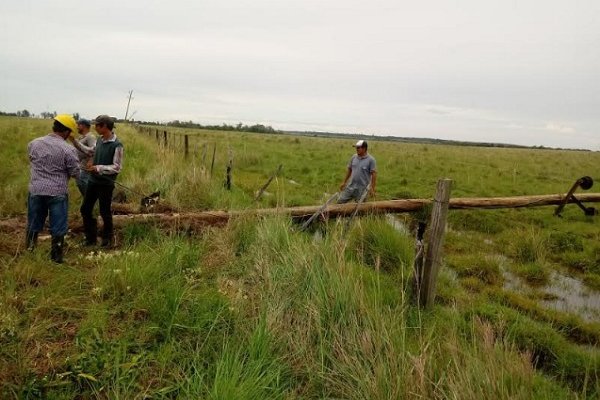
<point x="91" y="232"/>
<point x="56" y="252"/>
<point x="31" y="240"/>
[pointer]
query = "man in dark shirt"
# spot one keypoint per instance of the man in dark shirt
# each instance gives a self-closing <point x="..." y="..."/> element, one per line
<point x="106" y="165"/>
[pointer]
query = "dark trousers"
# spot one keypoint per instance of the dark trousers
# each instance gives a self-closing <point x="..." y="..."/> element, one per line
<point x="102" y="194"/>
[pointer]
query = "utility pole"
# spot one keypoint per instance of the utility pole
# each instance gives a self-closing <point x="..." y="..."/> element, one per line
<point x="128" y="102"/>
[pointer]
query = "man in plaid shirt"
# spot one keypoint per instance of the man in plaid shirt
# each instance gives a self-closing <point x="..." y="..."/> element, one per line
<point x="52" y="163"/>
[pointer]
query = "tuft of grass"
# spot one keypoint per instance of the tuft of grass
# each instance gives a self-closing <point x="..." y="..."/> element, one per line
<point x="483" y="267"/>
<point x="533" y="272"/>
<point x="530" y="247"/>
<point x="376" y="243"/>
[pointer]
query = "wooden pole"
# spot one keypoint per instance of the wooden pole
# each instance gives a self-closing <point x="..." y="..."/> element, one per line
<point x="212" y="164"/>
<point x="418" y="264"/>
<point x="187" y="146"/>
<point x="165" y="138"/>
<point x="199" y="219"/>
<point x="433" y="255"/>
<point x="229" y="167"/>
<point x="264" y="187"/>
<point x="204" y="151"/>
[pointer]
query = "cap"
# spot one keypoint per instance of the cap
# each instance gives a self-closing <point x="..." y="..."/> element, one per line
<point x="104" y="119"/>
<point x="361" y="143"/>
<point x="83" y="121"/>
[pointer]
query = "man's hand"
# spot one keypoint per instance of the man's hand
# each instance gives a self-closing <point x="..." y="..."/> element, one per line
<point x="342" y="186"/>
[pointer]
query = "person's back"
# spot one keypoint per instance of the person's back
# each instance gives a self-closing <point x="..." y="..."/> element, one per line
<point x="51" y="164"/>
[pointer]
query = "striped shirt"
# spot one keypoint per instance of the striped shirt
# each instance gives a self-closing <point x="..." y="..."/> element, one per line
<point x="52" y="162"/>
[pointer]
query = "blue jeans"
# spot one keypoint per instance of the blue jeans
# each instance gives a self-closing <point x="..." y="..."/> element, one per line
<point x="39" y="207"/>
<point x="82" y="181"/>
<point x="350" y="193"/>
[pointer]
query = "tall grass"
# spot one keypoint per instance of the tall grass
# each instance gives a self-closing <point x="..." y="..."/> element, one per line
<point x="258" y="309"/>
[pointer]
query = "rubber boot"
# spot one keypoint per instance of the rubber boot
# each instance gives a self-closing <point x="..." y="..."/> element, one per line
<point x="31" y="240"/>
<point x="56" y="251"/>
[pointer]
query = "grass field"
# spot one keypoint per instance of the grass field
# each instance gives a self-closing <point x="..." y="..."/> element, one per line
<point x="257" y="309"/>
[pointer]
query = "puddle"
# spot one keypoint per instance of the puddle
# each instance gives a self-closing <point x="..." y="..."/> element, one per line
<point x="572" y="296"/>
<point x="566" y="294"/>
<point x="399" y="225"/>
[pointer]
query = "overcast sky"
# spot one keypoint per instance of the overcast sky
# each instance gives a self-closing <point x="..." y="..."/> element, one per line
<point x="523" y="72"/>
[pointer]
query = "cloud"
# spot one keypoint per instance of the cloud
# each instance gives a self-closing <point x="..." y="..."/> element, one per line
<point x="560" y="128"/>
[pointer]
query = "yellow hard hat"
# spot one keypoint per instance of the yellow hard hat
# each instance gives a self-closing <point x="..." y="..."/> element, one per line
<point x="68" y="121"/>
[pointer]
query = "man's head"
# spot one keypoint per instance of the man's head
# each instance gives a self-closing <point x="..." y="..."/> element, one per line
<point x="64" y="125"/>
<point x="83" y="126"/>
<point x="104" y="123"/>
<point x="361" y="147"/>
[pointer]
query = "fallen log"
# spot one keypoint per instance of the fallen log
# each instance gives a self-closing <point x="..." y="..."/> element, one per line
<point x="197" y="219"/>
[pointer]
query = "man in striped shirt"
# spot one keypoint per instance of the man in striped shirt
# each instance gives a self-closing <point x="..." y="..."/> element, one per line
<point x="52" y="162"/>
<point x="106" y="165"/>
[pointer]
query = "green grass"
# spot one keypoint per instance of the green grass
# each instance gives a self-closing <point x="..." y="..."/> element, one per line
<point x="258" y="309"/>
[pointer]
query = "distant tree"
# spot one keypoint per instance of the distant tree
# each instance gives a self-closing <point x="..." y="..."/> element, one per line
<point x="76" y="116"/>
<point x="24" y="113"/>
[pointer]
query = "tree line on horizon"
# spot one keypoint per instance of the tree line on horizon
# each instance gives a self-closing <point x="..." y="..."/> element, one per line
<point x="260" y="128"/>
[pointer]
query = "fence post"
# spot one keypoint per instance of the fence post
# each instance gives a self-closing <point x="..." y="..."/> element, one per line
<point x="204" y="149"/>
<point x="418" y="264"/>
<point x="229" y="167"/>
<point x="187" y="146"/>
<point x="157" y="140"/>
<point x="165" y="138"/>
<point x="264" y="187"/>
<point x="436" y="239"/>
<point x="212" y="164"/>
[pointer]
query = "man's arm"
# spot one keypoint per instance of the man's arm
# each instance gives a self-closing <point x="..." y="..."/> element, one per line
<point x="87" y="150"/>
<point x="373" y="183"/>
<point x="348" y="173"/>
<point x="113" y="168"/>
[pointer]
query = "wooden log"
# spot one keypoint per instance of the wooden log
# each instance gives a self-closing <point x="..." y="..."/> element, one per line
<point x="334" y="210"/>
<point x="342" y="210"/>
<point x="433" y="253"/>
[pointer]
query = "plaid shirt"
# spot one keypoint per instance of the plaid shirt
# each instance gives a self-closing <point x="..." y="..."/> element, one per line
<point x="52" y="161"/>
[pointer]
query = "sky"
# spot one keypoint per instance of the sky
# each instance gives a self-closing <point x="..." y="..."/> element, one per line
<point x="521" y="72"/>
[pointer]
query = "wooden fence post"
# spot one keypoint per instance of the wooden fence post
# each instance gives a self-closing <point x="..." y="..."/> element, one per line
<point x="264" y="187"/>
<point x="431" y="266"/>
<point x="229" y="167"/>
<point x="204" y="149"/>
<point x="157" y="140"/>
<point x="187" y="146"/>
<point x="418" y="264"/>
<point x="165" y="138"/>
<point x="212" y="164"/>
